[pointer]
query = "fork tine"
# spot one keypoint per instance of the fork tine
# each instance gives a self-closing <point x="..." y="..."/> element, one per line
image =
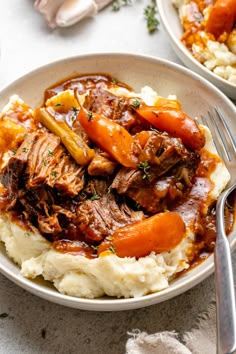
<point x="219" y="144"/>
<point x="229" y="139"/>
<point x="226" y="145"/>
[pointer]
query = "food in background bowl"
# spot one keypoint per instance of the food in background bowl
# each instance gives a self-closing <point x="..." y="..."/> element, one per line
<point x="106" y="191"/>
<point x="210" y="34"/>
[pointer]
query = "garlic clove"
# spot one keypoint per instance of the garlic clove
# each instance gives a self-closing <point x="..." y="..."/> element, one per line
<point x="49" y="9"/>
<point x="72" y="11"/>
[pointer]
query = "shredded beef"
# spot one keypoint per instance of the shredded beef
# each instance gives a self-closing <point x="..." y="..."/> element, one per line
<point x="112" y="107"/>
<point x="99" y="218"/>
<point x="39" y="161"/>
<point x="167" y="175"/>
<point x="40" y="178"/>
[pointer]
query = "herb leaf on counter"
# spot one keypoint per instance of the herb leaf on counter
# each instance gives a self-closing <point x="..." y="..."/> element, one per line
<point x="117" y="4"/>
<point x="150" y="13"/>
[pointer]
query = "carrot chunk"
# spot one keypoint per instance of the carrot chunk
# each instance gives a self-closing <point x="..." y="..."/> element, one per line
<point x="110" y="136"/>
<point x="175" y="122"/>
<point x="159" y="233"/>
<point x="221" y="18"/>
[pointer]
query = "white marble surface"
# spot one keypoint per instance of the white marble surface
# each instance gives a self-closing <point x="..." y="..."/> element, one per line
<point x="29" y="324"/>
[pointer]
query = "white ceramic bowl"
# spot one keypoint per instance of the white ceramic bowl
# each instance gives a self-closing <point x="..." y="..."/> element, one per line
<point x="173" y="28"/>
<point x="196" y="95"/>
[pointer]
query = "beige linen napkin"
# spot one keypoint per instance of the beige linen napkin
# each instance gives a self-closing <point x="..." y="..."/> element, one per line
<point x="200" y="340"/>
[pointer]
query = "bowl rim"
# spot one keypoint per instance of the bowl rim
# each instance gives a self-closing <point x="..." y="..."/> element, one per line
<point x="113" y="304"/>
<point x="180" y="47"/>
<point x="183" y="69"/>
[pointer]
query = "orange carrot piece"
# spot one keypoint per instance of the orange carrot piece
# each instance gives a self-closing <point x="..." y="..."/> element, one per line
<point x="221" y="18"/>
<point x="175" y="122"/>
<point x="159" y="233"/>
<point x="166" y="103"/>
<point x="142" y="137"/>
<point x="110" y="136"/>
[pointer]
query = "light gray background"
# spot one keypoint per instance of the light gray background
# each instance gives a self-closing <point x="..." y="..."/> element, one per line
<point x="29" y="324"/>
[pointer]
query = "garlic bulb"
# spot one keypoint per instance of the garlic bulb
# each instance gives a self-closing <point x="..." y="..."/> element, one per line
<point x="63" y="13"/>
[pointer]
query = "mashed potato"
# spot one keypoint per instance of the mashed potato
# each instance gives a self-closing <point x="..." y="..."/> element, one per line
<point x="219" y="57"/>
<point x="108" y="274"/>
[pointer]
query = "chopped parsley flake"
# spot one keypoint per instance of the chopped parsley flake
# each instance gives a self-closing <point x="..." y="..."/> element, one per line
<point x="145" y="167"/>
<point x="95" y="196"/>
<point x="89" y="115"/>
<point x="114" y="80"/>
<point x="95" y="248"/>
<point x="135" y="103"/>
<point x="25" y="149"/>
<point x="50" y="152"/>
<point x="112" y="249"/>
<point x="54" y="174"/>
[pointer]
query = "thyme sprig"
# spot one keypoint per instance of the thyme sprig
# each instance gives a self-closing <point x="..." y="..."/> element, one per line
<point x="117" y="4"/>
<point x="150" y="13"/>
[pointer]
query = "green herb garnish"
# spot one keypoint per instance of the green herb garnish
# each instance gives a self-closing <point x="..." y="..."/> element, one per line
<point x="112" y="249"/>
<point x="25" y="149"/>
<point x="145" y="167"/>
<point x="90" y="116"/>
<point x="50" y="152"/>
<point x="95" y="196"/>
<point x="95" y="248"/>
<point x="135" y="103"/>
<point x="150" y="14"/>
<point x="114" y="80"/>
<point x="54" y="174"/>
<point x="117" y="4"/>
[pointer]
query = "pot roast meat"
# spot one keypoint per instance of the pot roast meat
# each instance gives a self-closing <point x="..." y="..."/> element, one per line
<point x="110" y="106"/>
<point x="11" y="175"/>
<point x="163" y="179"/>
<point x="40" y="178"/>
<point x="102" y="164"/>
<point x="99" y="218"/>
<point x="45" y="209"/>
<point x="39" y="161"/>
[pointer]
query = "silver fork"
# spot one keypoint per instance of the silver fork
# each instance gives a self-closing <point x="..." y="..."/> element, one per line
<point x="224" y="284"/>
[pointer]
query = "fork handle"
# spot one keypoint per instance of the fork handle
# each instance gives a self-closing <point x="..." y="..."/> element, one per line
<point x="225" y="294"/>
